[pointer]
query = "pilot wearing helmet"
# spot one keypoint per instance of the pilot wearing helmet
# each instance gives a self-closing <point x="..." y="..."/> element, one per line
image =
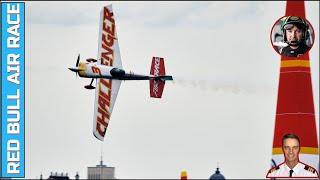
<point x="295" y="33"/>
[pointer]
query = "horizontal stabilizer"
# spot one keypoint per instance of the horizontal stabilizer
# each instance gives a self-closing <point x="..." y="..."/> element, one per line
<point x="164" y="78"/>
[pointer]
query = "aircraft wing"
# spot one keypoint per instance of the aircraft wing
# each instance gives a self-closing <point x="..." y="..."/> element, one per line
<point x="108" y="40"/>
<point x="106" y="89"/>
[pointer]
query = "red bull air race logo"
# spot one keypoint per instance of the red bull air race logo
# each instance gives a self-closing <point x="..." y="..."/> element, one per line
<point x="12" y="91"/>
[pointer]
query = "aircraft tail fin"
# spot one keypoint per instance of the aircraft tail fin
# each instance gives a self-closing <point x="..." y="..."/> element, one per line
<point x="157" y="84"/>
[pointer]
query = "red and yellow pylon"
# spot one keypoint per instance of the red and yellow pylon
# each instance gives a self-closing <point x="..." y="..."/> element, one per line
<point x="295" y="108"/>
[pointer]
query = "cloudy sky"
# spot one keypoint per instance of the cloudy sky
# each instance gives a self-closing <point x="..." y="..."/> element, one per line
<point x="220" y="108"/>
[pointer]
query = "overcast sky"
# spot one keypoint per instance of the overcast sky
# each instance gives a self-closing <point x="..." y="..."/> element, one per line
<point x="220" y="108"/>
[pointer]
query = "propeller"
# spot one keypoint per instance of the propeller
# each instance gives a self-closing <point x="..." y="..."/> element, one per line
<point x="76" y="69"/>
<point x="77" y="64"/>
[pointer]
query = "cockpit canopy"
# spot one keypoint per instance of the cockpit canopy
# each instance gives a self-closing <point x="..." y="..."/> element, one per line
<point x="117" y="72"/>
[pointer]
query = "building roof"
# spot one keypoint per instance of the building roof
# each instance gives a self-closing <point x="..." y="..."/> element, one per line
<point x="217" y="175"/>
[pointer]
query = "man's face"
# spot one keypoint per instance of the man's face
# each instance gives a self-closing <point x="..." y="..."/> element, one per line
<point x="291" y="149"/>
<point x="294" y="35"/>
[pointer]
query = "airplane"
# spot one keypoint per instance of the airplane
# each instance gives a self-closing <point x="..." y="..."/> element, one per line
<point x="108" y="72"/>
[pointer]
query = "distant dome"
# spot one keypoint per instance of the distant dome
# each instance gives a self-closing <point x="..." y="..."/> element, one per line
<point x="217" y="175"/>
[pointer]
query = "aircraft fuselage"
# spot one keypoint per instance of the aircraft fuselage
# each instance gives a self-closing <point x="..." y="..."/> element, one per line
<point x="94" y="70"/>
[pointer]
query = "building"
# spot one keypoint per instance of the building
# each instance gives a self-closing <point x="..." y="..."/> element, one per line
<point x="101" y="171"/>
<point x="60" y="176"/>
<point x="217" y="175"/>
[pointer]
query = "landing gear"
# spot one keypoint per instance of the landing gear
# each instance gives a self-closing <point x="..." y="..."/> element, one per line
<point x="90" y="85"/>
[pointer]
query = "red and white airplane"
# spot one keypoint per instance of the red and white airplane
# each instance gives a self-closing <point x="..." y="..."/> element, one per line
<point x="108" y="72"/>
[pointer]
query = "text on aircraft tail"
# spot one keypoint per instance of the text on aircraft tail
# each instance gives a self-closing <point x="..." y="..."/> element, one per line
<point x="157" y="85"/>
